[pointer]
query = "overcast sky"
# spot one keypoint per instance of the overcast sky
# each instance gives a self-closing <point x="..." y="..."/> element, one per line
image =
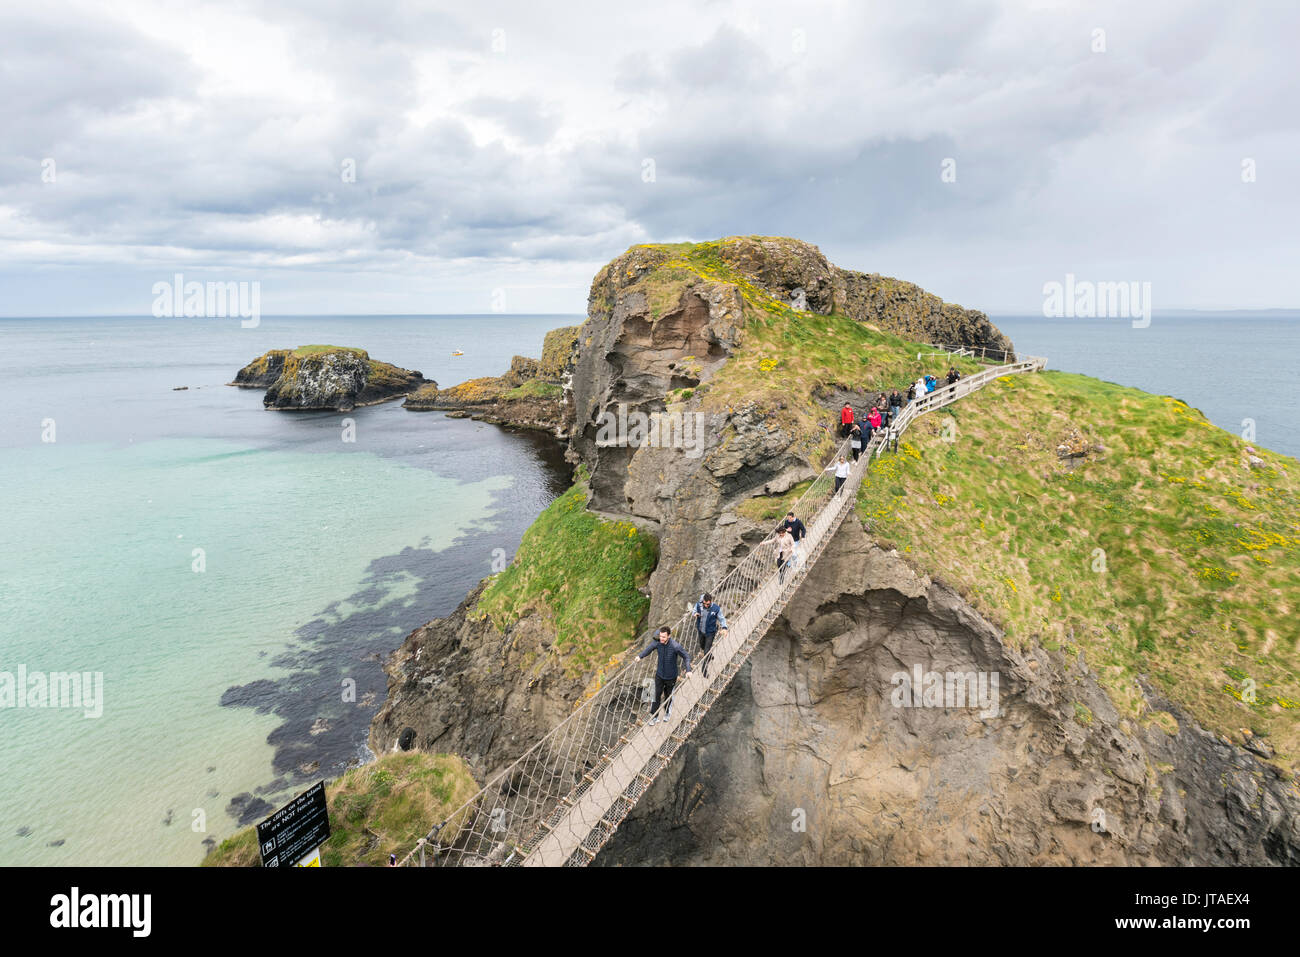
<point x="506" y="148"/>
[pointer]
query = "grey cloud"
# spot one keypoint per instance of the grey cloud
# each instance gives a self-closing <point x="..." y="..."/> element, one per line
<point x="1060" y="153"/>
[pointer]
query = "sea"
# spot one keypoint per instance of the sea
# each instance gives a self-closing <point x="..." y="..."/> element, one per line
<point x="237" y="575"/>
<point x="1236" y="367"/>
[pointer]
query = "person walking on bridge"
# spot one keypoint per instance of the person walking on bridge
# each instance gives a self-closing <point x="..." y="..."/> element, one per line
<point x="855" y="440"/>
<point x="666" y="671"/>
<point x="709" y="620"/>
<point x="798" y="531"/>
<point x="841" y="469"/>
<point x="785" y="548"/>
<point x="846" y="420"/>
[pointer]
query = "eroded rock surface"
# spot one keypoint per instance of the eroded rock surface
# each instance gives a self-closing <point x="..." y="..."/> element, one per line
<point x="336" y="379"/>
<point x="808" y="734"/>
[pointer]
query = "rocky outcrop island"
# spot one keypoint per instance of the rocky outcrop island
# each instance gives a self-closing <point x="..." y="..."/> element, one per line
<point x="326" y="378"/>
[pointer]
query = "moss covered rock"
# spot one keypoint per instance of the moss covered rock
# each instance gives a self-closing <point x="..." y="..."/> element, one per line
<point x="333" y="378"/>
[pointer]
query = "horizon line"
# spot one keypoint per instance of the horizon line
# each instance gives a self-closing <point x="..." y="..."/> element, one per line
<point x="523" y="315"/>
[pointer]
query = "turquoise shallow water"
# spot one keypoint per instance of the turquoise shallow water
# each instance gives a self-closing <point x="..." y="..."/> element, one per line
<point x="318" y="557"/>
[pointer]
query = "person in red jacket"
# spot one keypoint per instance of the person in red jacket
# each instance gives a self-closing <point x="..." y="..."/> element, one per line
<point x="846" y="419"/>
<point x="874" y="419"/>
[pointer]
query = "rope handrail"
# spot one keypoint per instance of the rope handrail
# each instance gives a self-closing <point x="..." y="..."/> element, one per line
<point x="535" y="791"/>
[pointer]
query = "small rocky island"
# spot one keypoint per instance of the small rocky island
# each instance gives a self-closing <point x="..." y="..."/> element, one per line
<point x="528" y="396"/>
<point x="326" y="378"/>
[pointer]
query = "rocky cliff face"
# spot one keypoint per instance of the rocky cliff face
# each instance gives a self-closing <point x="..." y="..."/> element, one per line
<point x="263" y="371"/>
<point x="327" y="379"/>
<point x="656" y="333"/>
<point x="798" y="273"/>
<point x="806" y="759"/>
<point x="634" y="353"/>
<point x="460" y="685"/>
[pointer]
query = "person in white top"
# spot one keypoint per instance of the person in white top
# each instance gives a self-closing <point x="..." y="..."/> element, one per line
<point x="841" y="469"/>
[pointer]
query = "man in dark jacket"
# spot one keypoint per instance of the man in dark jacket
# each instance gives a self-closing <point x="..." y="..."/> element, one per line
<point x="709" y="620"/>
<point x="666" y="672"/>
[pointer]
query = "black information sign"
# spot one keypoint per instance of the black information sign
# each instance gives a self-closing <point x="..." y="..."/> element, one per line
<point x="294" y="831"/>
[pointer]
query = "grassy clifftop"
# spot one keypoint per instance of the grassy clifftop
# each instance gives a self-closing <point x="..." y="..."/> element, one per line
<point x="1123" y="525"/>
<point x="376" y="810"/>
<point x="787" y="360"/>
<point x="583" y="574"/>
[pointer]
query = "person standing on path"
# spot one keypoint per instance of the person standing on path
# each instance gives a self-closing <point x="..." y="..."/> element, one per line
<point x="666" y="671"/>
<point x="846" y="419"/>
<point x="841" y="469"/>
<point x="709" y="620"/>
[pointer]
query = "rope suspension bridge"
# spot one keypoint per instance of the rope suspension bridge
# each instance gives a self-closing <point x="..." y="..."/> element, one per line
<point x="562" y="800"/>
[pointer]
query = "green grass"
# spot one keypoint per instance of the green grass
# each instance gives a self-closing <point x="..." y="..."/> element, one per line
<point x="764" y="508"/>
<point x="303" y="352"/>
<point x="582" y="573"/>
<point x="534" y="389"/>
<point x="379" y="809"/>
<point x="1158" y="556"/>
